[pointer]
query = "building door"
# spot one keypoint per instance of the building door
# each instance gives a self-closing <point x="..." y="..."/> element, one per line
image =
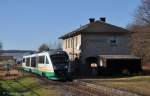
<point x="91" y="64"/>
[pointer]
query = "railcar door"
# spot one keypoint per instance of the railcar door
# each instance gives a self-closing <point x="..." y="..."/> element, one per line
<point x="45" y="66"/>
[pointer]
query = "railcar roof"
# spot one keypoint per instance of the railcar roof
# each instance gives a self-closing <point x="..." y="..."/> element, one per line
<point x="56" y="52"/>
<point x="51" y="52"/>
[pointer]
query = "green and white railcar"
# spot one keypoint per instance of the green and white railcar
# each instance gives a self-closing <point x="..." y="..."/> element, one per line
<point x="51" y="64"/>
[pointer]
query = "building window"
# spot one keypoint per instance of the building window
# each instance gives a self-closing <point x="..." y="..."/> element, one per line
<point x="66" y="43"/>
<point x="72" y="42"/>
<point x="76" y="42"/>
<point x="113" y="42"/>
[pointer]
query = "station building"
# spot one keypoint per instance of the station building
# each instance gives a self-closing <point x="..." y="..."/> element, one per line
<point x="96" y="38"/>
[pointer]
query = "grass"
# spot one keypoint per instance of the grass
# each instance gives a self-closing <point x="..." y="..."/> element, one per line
<point x="26" y="86"/>
<point x="136" y="84"/>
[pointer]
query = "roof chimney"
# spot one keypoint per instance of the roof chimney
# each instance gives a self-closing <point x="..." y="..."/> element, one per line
<point x="92" y="20"/>
<point x="102" y="19"/>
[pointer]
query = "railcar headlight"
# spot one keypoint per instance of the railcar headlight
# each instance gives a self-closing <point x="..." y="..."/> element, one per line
<point x="66" y="67"/>
<point x="55" y="68"/>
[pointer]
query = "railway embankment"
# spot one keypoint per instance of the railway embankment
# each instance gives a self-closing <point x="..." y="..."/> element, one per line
<point x="23" y="82"/>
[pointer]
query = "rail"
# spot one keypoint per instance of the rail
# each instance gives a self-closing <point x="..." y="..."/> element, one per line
<point x="77" y="88"/>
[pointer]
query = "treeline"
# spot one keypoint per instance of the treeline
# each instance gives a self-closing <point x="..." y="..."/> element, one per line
<point x="1" y="45"/>
<point x="141" y="32"/>
<point x="47" y="47"/>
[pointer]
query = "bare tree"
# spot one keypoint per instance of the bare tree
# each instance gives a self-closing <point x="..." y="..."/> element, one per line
<point x="43" y="47"/>
<point x="142" y="16"/>
<point x="141" y="43"/>
<point x="1" y="45"/>
<point x="141" y="32"/>
<point x="59" y="45"/>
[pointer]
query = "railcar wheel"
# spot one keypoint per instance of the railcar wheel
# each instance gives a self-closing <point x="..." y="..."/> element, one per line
<point x="43" y="75"/>
<point x="126" y="71"/>
<point x="69" y="77"/>
<point x="30" y="70"/>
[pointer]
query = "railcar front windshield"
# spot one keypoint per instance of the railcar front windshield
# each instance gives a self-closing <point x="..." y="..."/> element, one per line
<point x="59" y="59"/>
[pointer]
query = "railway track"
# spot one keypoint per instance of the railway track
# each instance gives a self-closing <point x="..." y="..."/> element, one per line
<point x="78" y="87"/>
<point x="75" y="87"/>
<point x="83" y="90"/>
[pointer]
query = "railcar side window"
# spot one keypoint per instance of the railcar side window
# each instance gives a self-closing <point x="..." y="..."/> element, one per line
<point x="27" y="61"/>
<point x="23" y="60"/>
<point x="33" y="62"/>
<point x="41" y="59"/>
<point x="47" y="61"/>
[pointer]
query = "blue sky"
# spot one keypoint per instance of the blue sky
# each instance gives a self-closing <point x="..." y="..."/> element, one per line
<point x="26" y="24"/>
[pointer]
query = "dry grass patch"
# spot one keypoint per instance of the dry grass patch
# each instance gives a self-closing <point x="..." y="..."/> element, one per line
<point x="136" y="84"/>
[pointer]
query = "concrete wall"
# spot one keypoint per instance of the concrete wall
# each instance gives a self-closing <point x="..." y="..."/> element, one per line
<point x="99" y="44"/>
